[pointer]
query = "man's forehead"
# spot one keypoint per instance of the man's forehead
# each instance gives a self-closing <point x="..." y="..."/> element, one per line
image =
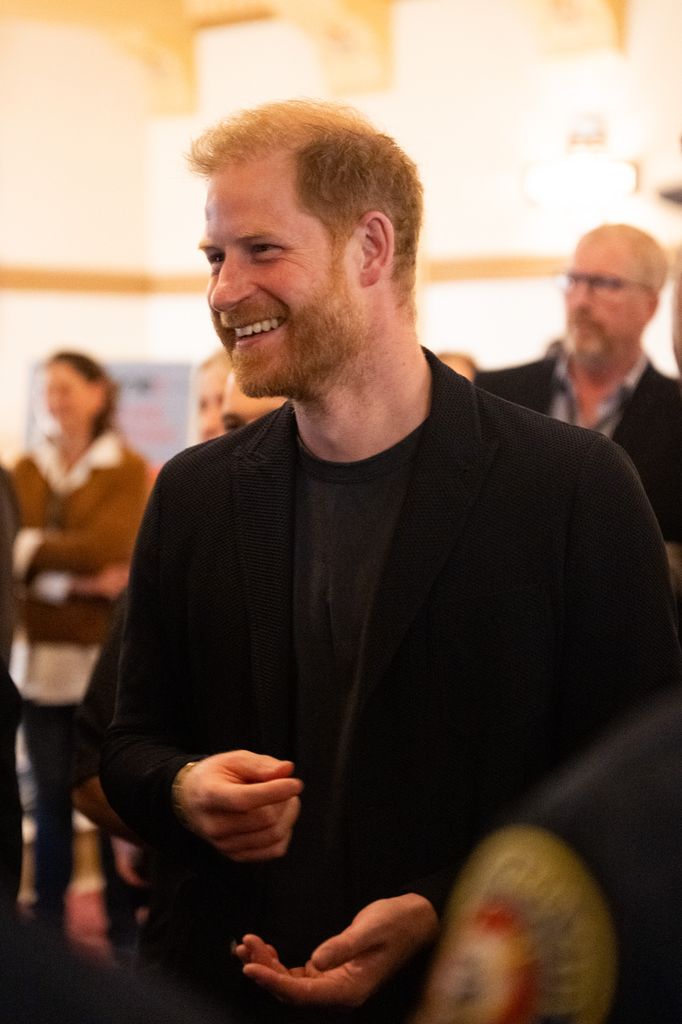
<point x="607" y="254"/>
<point x="254" y="172"/>
<point x="263" y="183"/>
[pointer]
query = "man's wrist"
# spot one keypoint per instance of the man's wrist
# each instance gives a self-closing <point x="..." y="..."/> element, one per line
<point x="176" y="793"/>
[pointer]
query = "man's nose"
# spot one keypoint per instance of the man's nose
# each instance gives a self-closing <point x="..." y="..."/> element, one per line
<point x="579" y="294"/>
<point x="231" y="285"/>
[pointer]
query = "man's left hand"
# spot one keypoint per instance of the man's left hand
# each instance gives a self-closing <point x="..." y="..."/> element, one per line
<point x="348" y="968"/>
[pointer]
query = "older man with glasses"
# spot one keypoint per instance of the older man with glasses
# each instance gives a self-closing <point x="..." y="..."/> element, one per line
<point x="602" y="378"/>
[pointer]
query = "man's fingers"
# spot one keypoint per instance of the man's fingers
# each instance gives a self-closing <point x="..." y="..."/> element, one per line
<point x="240" y="797"/>
<point x="296" y="990"/>
<point x="243" y="825"/>
<point x="252" y="949"/>
<point x="250" y="767"/>
<point x="263" y="834"/>
<point x="351" y="943"/>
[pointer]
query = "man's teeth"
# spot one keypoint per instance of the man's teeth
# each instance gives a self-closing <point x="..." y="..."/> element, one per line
<point x="257" y="328"/>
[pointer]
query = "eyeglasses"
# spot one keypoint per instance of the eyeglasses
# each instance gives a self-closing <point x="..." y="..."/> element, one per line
<point x="604" y="285"/>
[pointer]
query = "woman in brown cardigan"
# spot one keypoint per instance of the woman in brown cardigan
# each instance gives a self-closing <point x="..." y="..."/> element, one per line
<point x="81" y="495"/>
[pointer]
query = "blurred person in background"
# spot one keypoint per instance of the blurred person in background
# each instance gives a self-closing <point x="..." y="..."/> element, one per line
<point x="9" y="524"/>
<point x="239" y="409"/>
<point x="210" y="385"/>
<point x="600" y="377"/>
<point x="81" y="495"/>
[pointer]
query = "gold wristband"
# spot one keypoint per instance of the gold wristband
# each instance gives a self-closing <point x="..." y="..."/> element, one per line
<point x="178" y="809"/>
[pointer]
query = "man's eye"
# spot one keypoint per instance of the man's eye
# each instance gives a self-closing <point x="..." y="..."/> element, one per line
<point x="263" y="248"/>
<point x="215" y="257"/>
<point x="612" y="284"/>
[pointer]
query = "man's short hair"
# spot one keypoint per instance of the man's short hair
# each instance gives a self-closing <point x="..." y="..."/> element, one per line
<point x="651" y="259"/>
<point x="345" y="167"/>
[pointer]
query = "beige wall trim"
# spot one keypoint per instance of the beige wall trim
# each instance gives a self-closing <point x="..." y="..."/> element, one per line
<point x="52" y="279"/>
<point x="491" y="267"/>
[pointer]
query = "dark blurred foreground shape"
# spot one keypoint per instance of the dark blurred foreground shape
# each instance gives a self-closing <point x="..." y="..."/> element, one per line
<point x="573" y="910"/>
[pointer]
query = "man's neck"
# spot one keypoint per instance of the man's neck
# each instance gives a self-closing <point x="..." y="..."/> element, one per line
<point x="592" y="383"/>
<point x="372" y="411"/>
<point x="599" y="377"/>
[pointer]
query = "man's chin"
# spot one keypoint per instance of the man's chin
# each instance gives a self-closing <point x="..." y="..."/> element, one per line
<point x="255" y="379"/>
<point x="585" y="348"/>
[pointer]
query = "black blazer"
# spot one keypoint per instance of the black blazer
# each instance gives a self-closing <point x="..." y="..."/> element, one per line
<point x="650" y="430"/>
<point x="524" y="603"/>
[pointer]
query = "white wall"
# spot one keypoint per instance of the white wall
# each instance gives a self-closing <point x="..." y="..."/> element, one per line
<point x="73" y="122"/>
<point x="73" y="118"/>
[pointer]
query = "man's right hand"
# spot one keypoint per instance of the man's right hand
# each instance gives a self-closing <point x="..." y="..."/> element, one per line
<point x="244" y="804"/>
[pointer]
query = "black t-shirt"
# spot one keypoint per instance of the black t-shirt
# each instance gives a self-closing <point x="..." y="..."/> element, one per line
<point x="345" y="519"/>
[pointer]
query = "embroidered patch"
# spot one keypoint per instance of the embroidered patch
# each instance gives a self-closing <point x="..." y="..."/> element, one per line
<point x="528" y="939"/>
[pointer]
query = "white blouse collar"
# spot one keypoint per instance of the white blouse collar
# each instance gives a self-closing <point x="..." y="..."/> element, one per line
<point x="105" y="452"/>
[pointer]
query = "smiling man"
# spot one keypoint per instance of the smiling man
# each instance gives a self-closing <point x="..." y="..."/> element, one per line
<point x="361" y="625"/>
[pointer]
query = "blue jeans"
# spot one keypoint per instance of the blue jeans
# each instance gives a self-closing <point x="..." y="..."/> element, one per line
<point x="49" y="741"/>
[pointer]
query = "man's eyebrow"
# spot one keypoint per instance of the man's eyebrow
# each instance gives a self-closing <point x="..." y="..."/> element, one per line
<point x="253" y="236"/>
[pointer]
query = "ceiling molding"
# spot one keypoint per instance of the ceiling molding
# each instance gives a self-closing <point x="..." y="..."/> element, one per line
<point x="574" y="27"/>
<point x="212" y="13"/>
<point x="156" y="33"/>
<point x="353" y="37"/>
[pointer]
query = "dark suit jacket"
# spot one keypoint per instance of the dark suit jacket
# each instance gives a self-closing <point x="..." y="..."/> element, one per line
<point x="650" y="430"/>
<point x="524" y="603"/>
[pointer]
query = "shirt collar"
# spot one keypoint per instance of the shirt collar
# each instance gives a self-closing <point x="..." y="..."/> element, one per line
<point x="562" y="378"/>
<point x="105" y="452"/>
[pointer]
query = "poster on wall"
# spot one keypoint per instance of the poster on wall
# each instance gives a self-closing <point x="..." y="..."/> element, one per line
<point x="155" y="408"/>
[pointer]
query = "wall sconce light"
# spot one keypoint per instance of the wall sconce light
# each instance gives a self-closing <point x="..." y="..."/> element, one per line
<point x="586" y="175"/>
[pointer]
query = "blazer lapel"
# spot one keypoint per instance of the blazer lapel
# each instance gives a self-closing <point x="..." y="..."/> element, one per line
<point x="264" y="515"/>
<point x="449" y="468"/>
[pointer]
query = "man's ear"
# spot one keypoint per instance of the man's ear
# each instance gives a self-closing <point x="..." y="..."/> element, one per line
<point x="377" y="246"/>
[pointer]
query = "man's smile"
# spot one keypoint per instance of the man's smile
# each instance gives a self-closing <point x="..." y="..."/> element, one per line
<point x="260" y="326"/>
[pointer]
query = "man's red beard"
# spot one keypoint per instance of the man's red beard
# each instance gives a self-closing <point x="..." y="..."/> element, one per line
<point x="323" y="339"/>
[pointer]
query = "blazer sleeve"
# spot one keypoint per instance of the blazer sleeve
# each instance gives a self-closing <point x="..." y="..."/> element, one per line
<point x="620" y="644"/>
<point x="145" y="745"/>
